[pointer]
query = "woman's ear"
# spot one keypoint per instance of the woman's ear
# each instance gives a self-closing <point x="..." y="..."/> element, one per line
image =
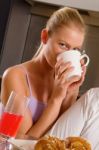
<point x="44" y="36"/>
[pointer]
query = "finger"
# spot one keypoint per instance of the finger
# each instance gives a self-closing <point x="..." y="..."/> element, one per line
<point x="62" y="63"/>
<point x="65" y="74"/>
<point x="83" y="70"/>
<point x="59" y="62"/>
<point x="57" y="65"/>
<point x="67" y="81"/>
<point x="80" y="82"/>
<point x="64" y="67"/>
<point x="82" y="62"/>
<point x="60" y="68"/>
<point x="74" y="79"/>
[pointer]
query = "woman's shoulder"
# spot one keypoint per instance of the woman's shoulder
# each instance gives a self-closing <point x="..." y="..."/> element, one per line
<point x="13" y="70"/>
<point x="16" y="73"/>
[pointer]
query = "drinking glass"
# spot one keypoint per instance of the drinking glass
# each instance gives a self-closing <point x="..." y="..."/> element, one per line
<point x="12" y="115"/>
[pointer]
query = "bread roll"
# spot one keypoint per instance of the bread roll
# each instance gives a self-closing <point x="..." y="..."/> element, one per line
<point x="50" y="143"/>
<point x="77" y="143"/>
<point x="54" y="143"/>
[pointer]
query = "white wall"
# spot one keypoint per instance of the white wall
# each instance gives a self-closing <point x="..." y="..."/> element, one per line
<point x="82" y="4"/>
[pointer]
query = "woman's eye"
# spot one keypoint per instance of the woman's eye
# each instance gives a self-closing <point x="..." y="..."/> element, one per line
<point x="62" y="45"/>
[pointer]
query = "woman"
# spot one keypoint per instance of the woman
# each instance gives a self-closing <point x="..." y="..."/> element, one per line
<point x="44" y="82"/>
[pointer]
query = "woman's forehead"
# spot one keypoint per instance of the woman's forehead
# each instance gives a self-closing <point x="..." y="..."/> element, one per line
<point x="71" y="36"/>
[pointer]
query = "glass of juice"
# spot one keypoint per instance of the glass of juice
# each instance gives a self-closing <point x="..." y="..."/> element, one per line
<point x="12" y="115"/>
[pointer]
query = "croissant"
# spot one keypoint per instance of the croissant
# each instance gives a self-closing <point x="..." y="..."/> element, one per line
<point x="70" y="143"/>
<point x="77" y="143"/>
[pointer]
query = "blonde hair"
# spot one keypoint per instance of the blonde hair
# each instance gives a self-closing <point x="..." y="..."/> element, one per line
<point x="63" y="17"/>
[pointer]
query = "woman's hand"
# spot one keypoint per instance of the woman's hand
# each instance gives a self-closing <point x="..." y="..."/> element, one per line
<point x="77" y="84"/>
<point x="73" y="91"/>
<point x="61" y="81"/>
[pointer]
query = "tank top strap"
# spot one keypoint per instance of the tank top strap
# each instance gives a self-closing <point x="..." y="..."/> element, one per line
<point x="27" y="79"/>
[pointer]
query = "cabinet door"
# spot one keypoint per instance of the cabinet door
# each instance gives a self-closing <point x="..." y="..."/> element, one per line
<point x="37" y="23"/>
<point x="4" y="13"/>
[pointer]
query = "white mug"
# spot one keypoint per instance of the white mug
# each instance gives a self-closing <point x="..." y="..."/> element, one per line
<point x="74" y="56"/>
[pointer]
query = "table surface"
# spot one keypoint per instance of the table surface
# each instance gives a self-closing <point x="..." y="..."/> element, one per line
<point x="22" y="144"/>
<point x="8" y="146"/>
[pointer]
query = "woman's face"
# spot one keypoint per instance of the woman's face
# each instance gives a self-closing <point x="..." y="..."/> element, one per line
<point x="62" y="40"/>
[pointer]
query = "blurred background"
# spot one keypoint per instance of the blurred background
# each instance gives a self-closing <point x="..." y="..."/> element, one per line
<point x="21" y="22"/>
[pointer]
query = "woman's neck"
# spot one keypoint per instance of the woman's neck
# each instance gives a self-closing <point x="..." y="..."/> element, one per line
<point x="42" y="67"/>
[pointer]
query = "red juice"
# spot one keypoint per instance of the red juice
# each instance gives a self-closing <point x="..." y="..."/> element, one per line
<point x="9" y="124"/>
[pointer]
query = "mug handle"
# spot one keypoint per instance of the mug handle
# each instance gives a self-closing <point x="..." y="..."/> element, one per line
<point x="87" y="57"/>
